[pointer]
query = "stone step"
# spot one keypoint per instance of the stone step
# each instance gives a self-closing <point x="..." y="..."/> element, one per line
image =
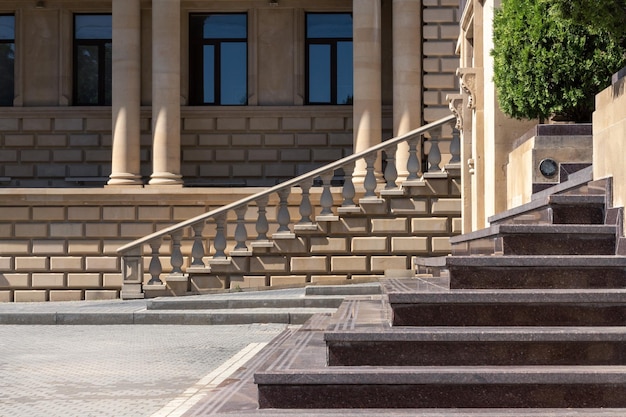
<point x="190" y="303"/>
<point x="355" y="289"/>
<point x="443" y="387"/>
<point x="556" y="209"/>
<point x="463" y="346"/>
<point x="509" y="308"/>
<point x="544" y="239"/>
<point x="559" y="271"/>
<point x="162" y="317"/>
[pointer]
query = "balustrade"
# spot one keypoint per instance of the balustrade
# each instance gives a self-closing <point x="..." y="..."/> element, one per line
<point x="132" y="253"/>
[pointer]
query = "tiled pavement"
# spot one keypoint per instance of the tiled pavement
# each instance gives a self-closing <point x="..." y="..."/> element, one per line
<point x="116" y="371"/>
<point x="113" y="370"/>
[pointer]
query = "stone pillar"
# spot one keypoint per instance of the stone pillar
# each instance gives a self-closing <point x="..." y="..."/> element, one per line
<point x="166" y="93"/>
<point x="367" y="105"/>
<point x="407" y="74"/>
<point x="125" y="162"/>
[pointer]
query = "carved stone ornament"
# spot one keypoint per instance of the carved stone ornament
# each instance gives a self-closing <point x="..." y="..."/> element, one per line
<point x="455" y="103"/>
<point x="468" y="84"/>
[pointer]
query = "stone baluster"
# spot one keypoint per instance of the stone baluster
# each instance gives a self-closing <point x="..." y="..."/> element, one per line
<point x="220" y="236"/>
<point x="283" y="218"/>
<point x="455" y="147"/>
<point x="155" y="267"/>
<point x="306" y="210"/>
<point x="177" y="256"/>
<point x="326" y="199"/>
<point x="413" y="163"/>
<point x="348" y="191"/>
<point x="370" y="178"/>
<point x="434" y="154"/>
<point x="391" y="172"/>
<point x="241" y="235"/>
<point x="197" y="250"/>
<point x="262" y="226"/>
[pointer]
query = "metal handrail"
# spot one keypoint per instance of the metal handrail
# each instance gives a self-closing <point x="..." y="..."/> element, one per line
<point x="289" y="183"/>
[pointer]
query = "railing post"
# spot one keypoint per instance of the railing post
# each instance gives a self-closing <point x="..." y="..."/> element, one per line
<point x="262" y="226"/>
<point x="391" y="173"/>
<point x="155" y="267"/>
<point x="306" y="209"/>
<point x="326" y="199"/>
<point x="413" y="163"/>
<point x="455" y="147"/>
<point x="348" y="191"/>
<point x="220" y="236"/>
<point x="197" y="250"/>
<point x="241" y="235"/>
<point x="282" y="217"/>
<point x="132" y="270"/>
<point x="176" y="258"/>
<point x="370" y="178"/>
<point x="434" y="155"/>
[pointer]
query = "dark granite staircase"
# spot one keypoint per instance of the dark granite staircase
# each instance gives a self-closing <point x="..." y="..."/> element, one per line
<point x="527" y="314"/>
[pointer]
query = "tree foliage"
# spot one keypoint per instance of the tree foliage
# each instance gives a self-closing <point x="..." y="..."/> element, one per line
<point x="546" y="64"/>
<point x="608" y="15"/>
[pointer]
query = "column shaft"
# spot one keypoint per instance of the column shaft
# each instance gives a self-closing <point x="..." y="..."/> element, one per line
<point x="407" y="74"/>
<point x="367" y="105"/>
<point x="166" y="92"/>
<point x="126" y="86"/>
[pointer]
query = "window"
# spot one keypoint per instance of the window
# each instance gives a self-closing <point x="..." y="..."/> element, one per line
<point x="219" y="59"/>
<point x="7" y="59"/>
<point x="329" y="58"/>
<point x="92" y="59"/>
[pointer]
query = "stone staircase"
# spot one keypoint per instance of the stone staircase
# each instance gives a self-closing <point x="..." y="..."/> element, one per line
<point x="515" y="319"/>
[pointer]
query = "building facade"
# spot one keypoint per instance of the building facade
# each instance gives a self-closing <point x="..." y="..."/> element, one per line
<point x="213" y="93"/>
<point x="119" y="118"/>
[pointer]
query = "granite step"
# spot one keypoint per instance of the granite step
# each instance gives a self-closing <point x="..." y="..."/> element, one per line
<point x="463" y="346"/>
<point x="444" y="387"/>
<point x="543" y="239"/>
<point x="561" y="307"/>
<point x="182" y="303"/>
<point x="556" y="271"/>
<point x="556" y="209"/>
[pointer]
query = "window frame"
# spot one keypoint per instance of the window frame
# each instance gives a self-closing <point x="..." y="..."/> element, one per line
<point x="333" y="43"/>
<point x="10" y="42"/>
<point x="100" y="43"/>
<point x="196" y="61"/>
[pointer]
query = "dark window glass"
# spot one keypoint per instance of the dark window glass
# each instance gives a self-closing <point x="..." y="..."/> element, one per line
<point x="92" y="60"/>
<point x="219" y="59"/>
<point x="329" y="58"/>
<point x="7" y="59"/>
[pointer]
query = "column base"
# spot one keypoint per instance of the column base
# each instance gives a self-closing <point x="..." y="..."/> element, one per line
<point x="124" y="180"/>
<point x="166" y="178"/>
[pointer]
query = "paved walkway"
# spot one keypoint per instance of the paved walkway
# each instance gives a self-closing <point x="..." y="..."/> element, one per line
<point x="114" y="371"/>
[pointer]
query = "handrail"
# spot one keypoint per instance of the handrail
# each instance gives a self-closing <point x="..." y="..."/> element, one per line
<point x="289" y="183"/>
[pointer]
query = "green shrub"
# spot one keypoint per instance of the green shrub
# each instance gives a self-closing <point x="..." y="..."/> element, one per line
<point x="609" y="15"/>
<point x="547" y="65"/>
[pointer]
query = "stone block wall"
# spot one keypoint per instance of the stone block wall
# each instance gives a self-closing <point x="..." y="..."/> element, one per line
<point x="609" y="130"/>
<point x="57" y="245"/>
<point x="256" y="146"/>
<point x="384" y="236"/>
<point x="440" y="32"/>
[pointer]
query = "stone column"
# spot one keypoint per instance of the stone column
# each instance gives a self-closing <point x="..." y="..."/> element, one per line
<point x="126" y="93"/>
<point x="407" y="74"/>
<point x="166" y="93"/>
<point x="367" y="105"/>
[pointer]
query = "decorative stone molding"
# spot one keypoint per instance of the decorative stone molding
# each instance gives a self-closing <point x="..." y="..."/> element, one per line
<point x="469" y="80"/>
<point x="455" y="103"/>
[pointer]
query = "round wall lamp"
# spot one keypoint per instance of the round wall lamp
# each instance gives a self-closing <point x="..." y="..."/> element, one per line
<point x="548" y="167"/>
